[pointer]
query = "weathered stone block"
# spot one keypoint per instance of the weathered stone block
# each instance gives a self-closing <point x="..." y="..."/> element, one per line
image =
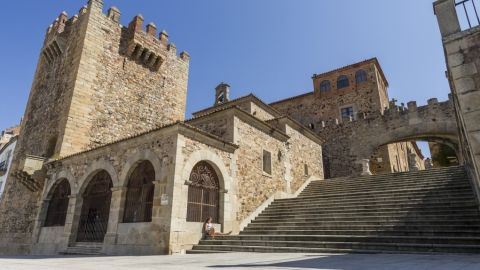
<point x="462" y="71"/>
<point x="463" y="85"/>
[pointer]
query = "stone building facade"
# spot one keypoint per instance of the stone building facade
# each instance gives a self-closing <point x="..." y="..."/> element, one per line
<point x="106" y="159"/>
<point x="462" y="56"/>
<point x="344" y="95"/>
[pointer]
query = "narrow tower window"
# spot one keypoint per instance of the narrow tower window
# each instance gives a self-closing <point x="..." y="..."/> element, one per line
<point x="267" y="162"/>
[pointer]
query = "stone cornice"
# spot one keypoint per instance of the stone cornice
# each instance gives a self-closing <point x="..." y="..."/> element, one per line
<point x="176" y="127"/>
<point x="206" y="138"/>
<point x="247" y="118"/>
<point x="251" y="97"/>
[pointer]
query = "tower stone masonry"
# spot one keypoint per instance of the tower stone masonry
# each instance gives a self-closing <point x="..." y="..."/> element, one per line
<point x="96" y="81"/>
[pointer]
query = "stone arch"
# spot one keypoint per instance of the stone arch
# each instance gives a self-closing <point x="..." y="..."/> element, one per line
<point x="58" y="202"/>
<point x="214" y="160"/>
<point x="65" y="174"/>
<point x="224" y="178"/>
<point x="132" y="162"/>
<point x="140" y="189"/>
<point x="93" y="169"/>
<point x="422" y="131"/>
<point x="95" y="207"/>
<point x="379" y="135"/>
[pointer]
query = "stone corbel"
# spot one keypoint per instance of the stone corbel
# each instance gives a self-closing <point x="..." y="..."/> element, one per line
<point x="223" y="191"/>
<point x="188" y="182"/>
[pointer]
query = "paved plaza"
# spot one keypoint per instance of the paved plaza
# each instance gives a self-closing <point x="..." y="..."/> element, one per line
<point x="248" y="261"/>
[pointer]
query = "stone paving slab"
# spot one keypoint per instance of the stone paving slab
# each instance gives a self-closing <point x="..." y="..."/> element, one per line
<point x="248" y="261"/>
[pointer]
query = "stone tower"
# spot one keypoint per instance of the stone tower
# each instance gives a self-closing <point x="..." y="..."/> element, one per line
<point x="96" y="81"/>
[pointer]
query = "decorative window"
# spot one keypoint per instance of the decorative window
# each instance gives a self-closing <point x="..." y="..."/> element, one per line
<point x="267" y="162"/>
<point x="305" y="169"/>
<point x="203" y="193"/>
<point x="58" y="205"/>
<point x="360" y="76"/>
<point x="311" y="126"/>
<point x="347" y="112"/>
<point x="139" y="201"/>
<point x="342" y="82"/>
<point x="324" y="86"/>
<point x="279" y="155"/>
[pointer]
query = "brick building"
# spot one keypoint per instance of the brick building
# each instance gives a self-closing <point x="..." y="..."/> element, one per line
<point x="342" y="95"/>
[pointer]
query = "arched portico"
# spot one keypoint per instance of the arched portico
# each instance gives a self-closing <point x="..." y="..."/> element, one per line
<point x="134" y="159"/>
<point x="445" y="132"/>
<point x="95" y="211"/>
<point x="350" y="143"/>
<point x="224" y="180"/>
<point x="84" y="211"/>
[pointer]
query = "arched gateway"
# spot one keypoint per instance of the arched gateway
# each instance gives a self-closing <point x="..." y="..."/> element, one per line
<point x="95" y="209"/>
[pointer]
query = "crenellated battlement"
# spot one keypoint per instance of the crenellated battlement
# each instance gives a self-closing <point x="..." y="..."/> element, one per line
<point x="144" y="46"/>
<point x="434" y="108"/>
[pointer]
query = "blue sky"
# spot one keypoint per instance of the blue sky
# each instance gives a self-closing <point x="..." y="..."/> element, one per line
<point x="269" y="47"/>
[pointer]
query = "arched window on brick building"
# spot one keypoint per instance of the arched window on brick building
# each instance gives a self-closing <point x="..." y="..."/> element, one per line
<point x="139" y="201"/>
<point x="324" y="86"/>
<point x="342" y="82"/>
<point x="58" y="205"/>
<point x="360" y="76"/>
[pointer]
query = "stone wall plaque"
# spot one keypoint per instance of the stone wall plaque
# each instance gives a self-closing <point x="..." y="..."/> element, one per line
<point x="164" y="199"/>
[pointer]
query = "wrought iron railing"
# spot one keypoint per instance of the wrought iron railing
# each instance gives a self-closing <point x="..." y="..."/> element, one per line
<point x="467" y="13"/>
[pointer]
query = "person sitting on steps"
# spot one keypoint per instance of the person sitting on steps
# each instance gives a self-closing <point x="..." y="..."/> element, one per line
<point x="210" y="230"/>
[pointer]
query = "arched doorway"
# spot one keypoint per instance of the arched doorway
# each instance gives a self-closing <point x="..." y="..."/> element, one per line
<point x="139" y="199"/>
<point x="58" y="205"/>
<point x="203" y="193"/>
<point x="95" y="209"/>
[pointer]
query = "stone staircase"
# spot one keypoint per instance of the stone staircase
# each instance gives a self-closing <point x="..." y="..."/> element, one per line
<point x="84" y="248"/>
<point x="424" y="211"/>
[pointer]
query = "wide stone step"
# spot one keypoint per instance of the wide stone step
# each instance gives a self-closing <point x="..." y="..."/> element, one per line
<point x="335" y="247"/>
<point x="430" y="180"/>
<point x="439" y="175"/>
<point x="366" y="222"/>
<point x="307" y="218"/>
<point x="373" y="203"/>
<point x="373" y="197"/>
<point x="392" y="192"/>
<point x="351" y="238"/>
<point x="84" y="248"/>
<point x="434" y="173"/>
<point x="385" y="187"/>
<point x="202" y="249"/>
<point x="419" y="210"/>
<point x="378" y="232"/>
<point x="425" y="211"/>
<point x="206" y="251"/>
<point x="354" y="213"/>
<point x="436" y="227"/>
